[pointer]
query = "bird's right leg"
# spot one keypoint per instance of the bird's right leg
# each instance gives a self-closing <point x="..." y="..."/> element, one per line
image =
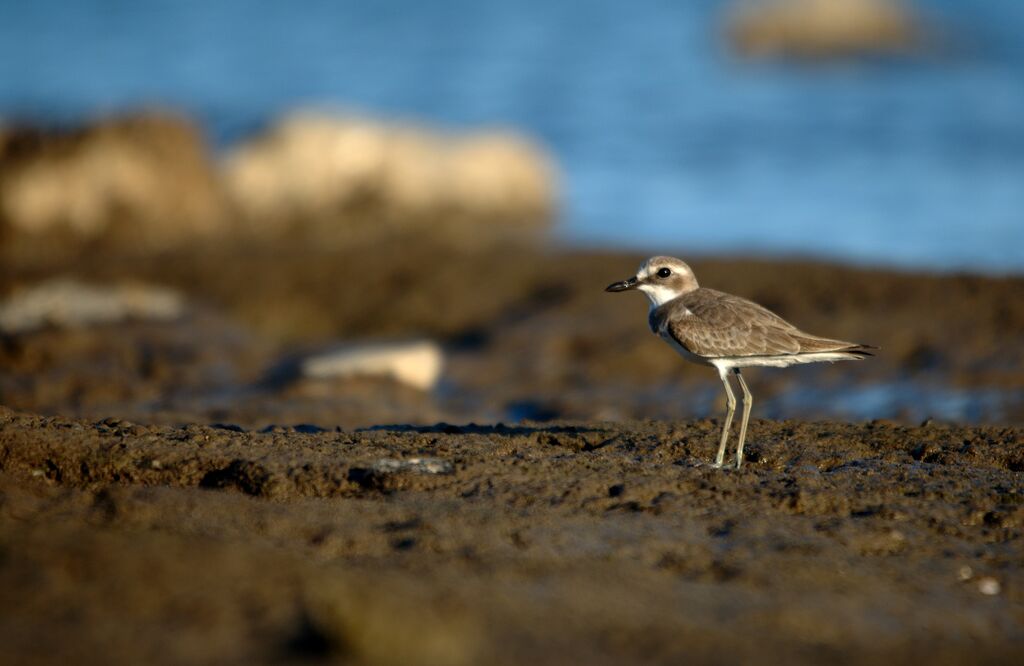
<point x="731" y="402"/>
<point x="748" y="402"/>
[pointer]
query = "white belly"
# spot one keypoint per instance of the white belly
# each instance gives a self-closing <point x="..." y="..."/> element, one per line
<point x="778" y="361"/>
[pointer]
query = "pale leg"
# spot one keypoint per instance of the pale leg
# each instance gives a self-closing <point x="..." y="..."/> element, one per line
<point x="748" y="402"/>
<point x="731" y="402"/>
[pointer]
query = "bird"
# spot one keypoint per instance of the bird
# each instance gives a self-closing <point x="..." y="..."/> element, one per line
<point x="727" y="332"/>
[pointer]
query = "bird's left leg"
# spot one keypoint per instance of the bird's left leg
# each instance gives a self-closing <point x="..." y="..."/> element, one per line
<point x="748" y="403"/>
<point x="730" y="401"/>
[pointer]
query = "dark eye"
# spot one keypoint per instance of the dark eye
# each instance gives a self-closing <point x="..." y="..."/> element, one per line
<point x="664" y="273"/>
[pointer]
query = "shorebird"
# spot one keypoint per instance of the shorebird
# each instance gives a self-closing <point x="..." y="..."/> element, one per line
<point x="728" y="332"/>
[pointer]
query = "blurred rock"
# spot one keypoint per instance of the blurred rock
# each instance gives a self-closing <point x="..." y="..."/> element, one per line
<point x="66" y="303"/>
<point x="823" y="28"/>
<point x="989" y="586"/>
<point x="416" y="465"/>
<point x="146" y="183"/>
<point x="318" y="167"/>
<point x="417" y="364"/>
<point x="142" y="181"/>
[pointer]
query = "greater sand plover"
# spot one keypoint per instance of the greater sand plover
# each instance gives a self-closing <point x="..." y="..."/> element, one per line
<point x="725" y="331"/>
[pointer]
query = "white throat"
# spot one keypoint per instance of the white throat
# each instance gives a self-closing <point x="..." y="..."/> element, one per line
<point x="658" y="294"/>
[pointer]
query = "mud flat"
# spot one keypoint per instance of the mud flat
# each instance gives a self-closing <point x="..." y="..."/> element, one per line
<point x="547" y="543"/>
<point x="527" y="332"/>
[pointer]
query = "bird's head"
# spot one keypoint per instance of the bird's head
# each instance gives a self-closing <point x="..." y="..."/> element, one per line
<point x="661" y="278"/>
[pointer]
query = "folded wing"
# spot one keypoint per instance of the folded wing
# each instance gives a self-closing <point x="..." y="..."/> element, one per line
<point x="715" y="324"/>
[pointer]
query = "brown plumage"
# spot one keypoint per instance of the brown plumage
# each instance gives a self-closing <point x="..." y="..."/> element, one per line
<point x="713" y="324"/>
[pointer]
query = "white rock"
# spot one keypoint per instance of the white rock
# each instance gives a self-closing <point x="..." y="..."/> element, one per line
<point x="989" y="586"/>
<point x="314" y="165"/>
<point x="68" y="304"/>
<point x="418" y="465"/>
<point x="417" y="363"/>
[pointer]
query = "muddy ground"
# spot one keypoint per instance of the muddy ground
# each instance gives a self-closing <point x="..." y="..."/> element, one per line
<point x="173" y="492"/>
<point x="527" y="332"/>
<point x="550" y="543"/>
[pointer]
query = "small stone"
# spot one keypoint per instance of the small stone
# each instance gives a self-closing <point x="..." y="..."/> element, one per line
<point x="965" y="573"/>
<point x="989" y="586"/>
<point x="416" y="465"/>
<point x="416" y="363"/>
<point x="66" y="303"/>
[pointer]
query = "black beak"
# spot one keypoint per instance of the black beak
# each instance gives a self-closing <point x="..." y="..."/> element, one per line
<point x="625" y="285"/>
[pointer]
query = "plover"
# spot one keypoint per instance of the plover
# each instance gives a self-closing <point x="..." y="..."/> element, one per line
<point x="728" y="332"/>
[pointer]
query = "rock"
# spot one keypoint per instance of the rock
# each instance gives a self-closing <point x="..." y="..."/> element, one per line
<point x="989" y="586"/>
<point x="500" y="174"/>
<point x="146" y="183"/>
<point x="69" y="304"/>
<point x="417" y="364"/>
<point x="819" y="29"/>
<point x="320" y="167"/>
<point x="415" y="465"/>
<point x="140" y="181"/>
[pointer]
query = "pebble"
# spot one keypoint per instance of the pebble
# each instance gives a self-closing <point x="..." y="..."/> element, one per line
<point x="418" y="465"/>
<point x="989" y="586"/>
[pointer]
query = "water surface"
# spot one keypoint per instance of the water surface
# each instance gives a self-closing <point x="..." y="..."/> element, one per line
<point x="666" y="140"/>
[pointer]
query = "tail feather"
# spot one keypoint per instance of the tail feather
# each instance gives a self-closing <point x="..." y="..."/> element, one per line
<point x="813" y="344"/>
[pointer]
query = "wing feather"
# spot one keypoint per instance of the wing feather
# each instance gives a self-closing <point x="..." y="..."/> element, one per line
<point x="716" y="324"/>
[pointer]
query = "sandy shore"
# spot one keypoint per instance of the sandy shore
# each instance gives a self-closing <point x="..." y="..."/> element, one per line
<point x="544" y="543"/>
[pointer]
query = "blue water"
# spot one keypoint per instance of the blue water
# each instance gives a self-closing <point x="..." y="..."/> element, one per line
<point x="666" y="141"/>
